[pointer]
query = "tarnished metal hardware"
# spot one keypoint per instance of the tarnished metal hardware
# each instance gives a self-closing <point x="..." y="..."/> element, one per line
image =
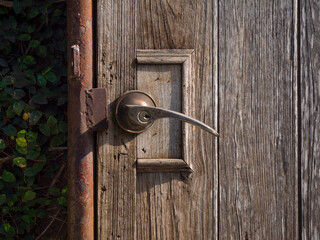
<point x="136" y="112"/>
<point x="97" y="109"/>
<point x="81" y="141"/>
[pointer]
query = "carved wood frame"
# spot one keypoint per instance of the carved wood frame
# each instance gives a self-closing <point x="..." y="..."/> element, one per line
<point x="186" y="59"/>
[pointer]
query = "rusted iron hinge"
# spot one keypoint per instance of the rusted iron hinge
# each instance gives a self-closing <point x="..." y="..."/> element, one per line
<point x="97" y="111"/>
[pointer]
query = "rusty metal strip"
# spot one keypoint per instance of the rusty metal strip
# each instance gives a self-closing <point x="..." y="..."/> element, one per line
<point x="80" y="138"/>
<point x="97" y="111"/>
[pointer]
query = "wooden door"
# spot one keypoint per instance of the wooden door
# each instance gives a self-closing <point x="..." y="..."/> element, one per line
<point x="246" y="59"/>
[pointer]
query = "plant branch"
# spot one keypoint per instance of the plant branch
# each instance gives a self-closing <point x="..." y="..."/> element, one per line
<point x="17" y="232"/>
<point x="60" y="171"/>
<point x="10" y="3"/>
<point x="3" y="160"/>
<point x="6" y="3"/>
<point x="51" y="149"/>
<point x="46" y="229"/>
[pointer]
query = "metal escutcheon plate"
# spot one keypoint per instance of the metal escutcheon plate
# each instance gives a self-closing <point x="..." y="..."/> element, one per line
<point x="133" y="98"/>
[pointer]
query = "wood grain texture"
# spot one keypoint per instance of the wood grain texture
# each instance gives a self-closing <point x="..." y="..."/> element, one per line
<point x="167" y="75"/>
<point x="162" y="165"/>
<point x="116" y="71"/>
<point x="184" y="200"/>
<point x="174" y="205"/>
<point x="310" y="118"/>
<point x="164" y="138"/>
<point x="257" y="115"/>
<point x="164" y="56"/>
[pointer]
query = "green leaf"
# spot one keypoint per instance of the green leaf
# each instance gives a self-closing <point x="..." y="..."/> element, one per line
<point x="3" y="10"/>
<point x="22" y="142"/>
<point x="23" y="67"/>
<point x="48" y="33"/>
<point x="8" y="229"/>
<point x="28" y="196"/>
<point x="12" y="22"/>
<point x="9" y="91"/>
<point x="17" y="6"/>
<point x="64" y="191"/>
<point x="33" y="12"/>
<point x="34" y="43"/>
<point x="9" y="80"/>
<point x="8" y="177"/>
<point x="62" y="201"/>
<point x="56" y="13"/>
<point x="42" y="139"/>
<point x="10" y="112"/>
<point x="10" y="204"/>
<point x="32" y="136"/>
<point x="24" y="37"/>
<point x="31" y="28"/>
<point x="22" y="150"/>
<point x="29" y="180"/>
<point x="29" y="60"/>
<point x="58" y="140"/>
<point x="27" y="219"/>
<point x="34" y="170"/>
<point x="54" y="130"/>
<point x="45" y="129"/>
<point x="32" y="154"/>
<point x="41" y="80"/>
<point x="51" y="77"/>
<point x="54" y="191"/>
<point x="6" y="51"/>
<point x="3" y="198"/>
<point x="5" y="210"/>
<point x="16" y="121"/>
<point x="63" y="127"/>
<point x="23" y="124"/>
<point x="46" y="70"/>
<point x="2" y="84"/>
<point x="18" y="107"/>
<point x="52" y="121"/>
<point x="39" y="99"/>
<point x="2" y="144"/>
<point x="9" y="130"/>
<point x="20" y="162"/>
<point x="18" y="94"/>
<point x="34" y="117"/>
<point x="21" y="133"/>
<point x="3" y="62"/>
<point x="14" y="198"/>
<point x="41" y="51"/>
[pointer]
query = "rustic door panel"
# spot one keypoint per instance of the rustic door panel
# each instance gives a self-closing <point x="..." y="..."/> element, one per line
<point x="310" y="118"/>
<point x="254" y="79"/>
<point x="258" y="162"/>
<point x="177" y="205"/>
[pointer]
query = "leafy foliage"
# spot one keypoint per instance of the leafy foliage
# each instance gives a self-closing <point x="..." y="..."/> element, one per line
<point x="33" y="94"/>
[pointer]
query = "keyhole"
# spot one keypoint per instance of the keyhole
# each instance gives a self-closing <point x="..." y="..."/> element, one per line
<point x="144" y="116"/>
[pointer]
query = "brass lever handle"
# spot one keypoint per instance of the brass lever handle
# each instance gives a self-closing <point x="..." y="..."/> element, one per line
<point x="136" y="112"/>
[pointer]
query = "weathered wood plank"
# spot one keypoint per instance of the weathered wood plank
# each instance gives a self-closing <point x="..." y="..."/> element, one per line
<point x="164" y="84"/>
<point x="257" y="115"/>
<point x="162" y="165"/>
<point x="165" y="56"/>
<point x="174" y="205"/>
<point x="310" y="118"/>
<point x="116" y="70"/>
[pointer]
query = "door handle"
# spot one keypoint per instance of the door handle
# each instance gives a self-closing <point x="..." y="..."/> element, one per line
<point x="136" y="112"/>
